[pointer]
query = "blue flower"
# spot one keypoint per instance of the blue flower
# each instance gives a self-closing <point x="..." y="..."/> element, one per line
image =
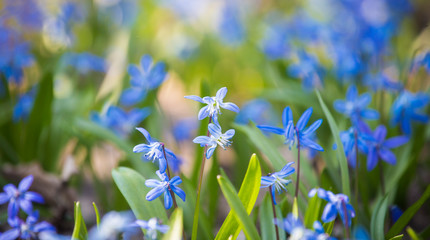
<point x="231" y="30"/>
<point x="293" y="133"/>
<point x="381" y="81"/>
<point x="164" y="186"/>
<point x="20" y="197"/>
<point x="85" y="62"/>
<point x="112" y="224"/>
<point x="213" y="105"/>
<point x="183" y="129"/>
<point x="295" y="228"/>
<point x="23" y="107"/>
<point x="152" y="226"/>
<point x="395" y="213"/>
<point x="146" y="77"/>
<point x="348" y="141"/>
<point x="275" y="44"/>
<point x="380" y="148"/>
<point x="406" y="108"/>
<point x="276" y="180"/>
<point x="120" y="121"/>
<point x="216" y="138"/>
<point x="29" y="229"/>
<point x="355" y="107"/>
<point x="27" y="13"/>
<point x="337" y="204"/>
<point x="258" y="110"/>
<point x="154" y="151"/>
<point x="308" y="69"/>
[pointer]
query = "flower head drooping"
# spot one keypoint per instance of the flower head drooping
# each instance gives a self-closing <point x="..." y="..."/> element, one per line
<point x="154" y="151"/>
<point x="380" y="148"/>
<point x="291" y="132"/>
<point x="164" y="186"/>
<point x="152" y="226"/>
<point x="214" y="105"/>
<point x="20" y="197"/>
<point x="30" y="229"/>
<point x="337" y="203"/>
<point x="276" y="180"/>
<point x="355" y="107"/>
<point x="406" y="108"/>
<point x="216" y="138"/>
<point x="146" y="77"/>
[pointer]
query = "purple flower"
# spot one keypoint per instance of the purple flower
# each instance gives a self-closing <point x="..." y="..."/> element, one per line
<point x="293" y="133"/>
<point x="216" y="138"/>
<point x="154" y="151"/>
<point x="214" y="105"/>
<point x="164" y="186"/>
<point x="380" y="148"/>
<point x="29" y="229"/>
<point x="20" y="197"/>
<point x="355" y="107"/>
<point x="276" y="180"/>
<point x="337" y="204"/>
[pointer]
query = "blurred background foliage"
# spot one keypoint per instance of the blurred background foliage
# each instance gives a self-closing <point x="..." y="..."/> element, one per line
<point x="64" y="65"/>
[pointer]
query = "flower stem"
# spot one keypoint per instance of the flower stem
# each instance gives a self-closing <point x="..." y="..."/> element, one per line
<point x="274" y="212"/>
<point x="197" y="208"/>
<point x="346" y="223"/>
<point x="298" y="167"/>
<point x="356" y="166"/>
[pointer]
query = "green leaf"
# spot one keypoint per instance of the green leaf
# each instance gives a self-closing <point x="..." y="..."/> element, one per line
<point x="312" y="211"/>
<point x="267" y="228"/>
<point x="132" y="186"/>
<point x="340" y="152"/>
<point x="398" y="237"/>
<point x="237" y="208"/>
<point x="378" y="219"/>
<point x="248" y="194"/>
<point x="412" y="234"/>
<point x="328" y="227"/>
<point x="295" y="208"/>
<point x="175" y="226"/>
<point x="408" y="214"/>
<point x="80" y="230"/>
<point x="96" y="210"/>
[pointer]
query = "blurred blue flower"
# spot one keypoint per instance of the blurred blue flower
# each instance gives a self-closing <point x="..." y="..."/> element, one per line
<point x="337" y="204"/>
<point x="360" y="233"/>
<point x="154" y="151"/>
<point x="308" y="69"/>
<point x="146" y="77"/>
<point x="395" y="213"/>
<point x="347" y="62"/>
<point x="275" y="44"/>
<point x="152" y="226"/>
<point x="183" y="129"/>
<point x="112" y="225"/>
<point x="231" y="29"/>
<point x="381" y="81"/>
<point x="320" y="232"/>
<point x="276" y="180"/>
<point x="216" y="138"/>
<point x="355" y="107"/>
<point x="295" y="228"/>
<point x="293" y="133"/>
<point x="27" y="230"/>
<point x="85" y="62"/>
<point x="15" y="54"/>
<point x="164" y="186"/>
<point x="120" y="121"/>
<point x="380" y="148"/>
<point x="122" y="13"/>
<point x="27" y="13"/>
<point x="259" y="111"/>
<point x="22" y="109"/>
<point x="407" y="108"/>
<point x="20" y="197"/>
<point x="348" y="139"/>
<point x="213" y="105"/>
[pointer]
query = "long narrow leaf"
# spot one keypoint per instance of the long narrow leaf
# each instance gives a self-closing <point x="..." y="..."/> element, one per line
<point x="378" y="219"/>
<point x="176" y="226"/>
<point x="80" y="230"/>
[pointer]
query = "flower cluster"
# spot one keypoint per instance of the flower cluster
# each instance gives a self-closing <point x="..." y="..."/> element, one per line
<point x="22" y="199"/>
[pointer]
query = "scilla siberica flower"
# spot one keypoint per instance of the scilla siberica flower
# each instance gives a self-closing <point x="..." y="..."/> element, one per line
<point x="154" y="151"/>
<point x="276" y="180"/>
<point x="348" y="139"/>
<point x="355" y="107"/>
<point x="380" y="148"/>
<point x="112" y="225"/>
<point x="406" y="108"/>
<point x="27" y="230"/>
<point x="337" y="203"/>
<point x="216" y="138"/>
<point x="152" y="226"/>
<point x="293" y="133"/>
<point x="146" y="77"/>
<point x="213" y="105"/>
<point x="164" y="186"/>
<point x="20" y="197"/>
<point x="297" y="230"/>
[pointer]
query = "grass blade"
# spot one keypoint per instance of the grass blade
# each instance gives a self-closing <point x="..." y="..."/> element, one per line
<point x="80" y="230"/>
<point x="378" y="219"/>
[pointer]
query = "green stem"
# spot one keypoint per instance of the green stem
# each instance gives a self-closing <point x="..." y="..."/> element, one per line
<point x="197" y="208"/>
<point x="274" y="212"/>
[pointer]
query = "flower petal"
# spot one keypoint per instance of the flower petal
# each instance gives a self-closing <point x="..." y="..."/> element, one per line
<point x="380" y="133"/>
<point x="168" y="201"/>
<point x="304" y="119"/>
<point x="311" y="144"/>
<point x="145" y="133"/>
<point x="176" y="180"/>
<point x="230" y="106"/>
<point x="287" y="116"/>
<point x="274" y="130"/>
<point x="25" y="183"/>
<point x="195" y="98"/>
<point x="372" y="159"/>
<point x="179" y="192"/>
<point x="220" y="94"/>
<point x="203" y="113"/>
<point x="34" y="197"/>
<point x="152" y="183"/>
<point x="229" y="134"/>
<point x="329" y="213"/>
<point x="155" y="193"/>
<point x="387" y="156"/>
<point x="396" y="141"/>
<point x="202" y="140"/>
<point x="210" y="151"/>
<point x="313" y="127"/>
<point x="215" y="130"/>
